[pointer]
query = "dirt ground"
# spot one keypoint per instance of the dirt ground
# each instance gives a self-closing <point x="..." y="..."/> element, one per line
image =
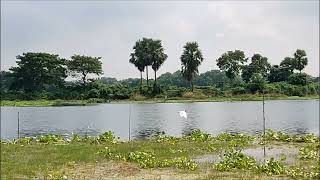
<point x="129" y="171"/>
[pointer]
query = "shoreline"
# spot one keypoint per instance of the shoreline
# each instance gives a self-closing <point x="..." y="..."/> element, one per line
<point x="59" y="103"/>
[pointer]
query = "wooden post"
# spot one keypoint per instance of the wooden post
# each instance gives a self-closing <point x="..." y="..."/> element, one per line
<point x="264" y="128"/>
<point x="18" y="126"/>
<point x="129" y="125"/>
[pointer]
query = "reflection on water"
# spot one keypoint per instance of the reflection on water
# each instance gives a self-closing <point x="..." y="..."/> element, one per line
<point x="294" y="117"/>
<point x="146" y="133"/>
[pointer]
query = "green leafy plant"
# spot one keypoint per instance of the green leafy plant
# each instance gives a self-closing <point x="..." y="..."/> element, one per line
<point x="235" y="160"/>
<point x="309" y="152"/>
<point x="198" y="135"/>
<point x="50" y="138"/>
<point x="272" y="167"/>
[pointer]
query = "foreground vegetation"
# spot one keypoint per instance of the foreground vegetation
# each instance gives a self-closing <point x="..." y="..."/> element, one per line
<point x="105" y="156"/>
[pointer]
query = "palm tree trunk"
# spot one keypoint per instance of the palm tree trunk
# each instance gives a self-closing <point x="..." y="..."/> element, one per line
<point x="147" y="76"/>
<point x="155" y="77"/>
<point x="140" y="78"/>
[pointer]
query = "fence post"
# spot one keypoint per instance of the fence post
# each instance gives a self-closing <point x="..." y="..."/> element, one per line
<point x="18" y="125"/>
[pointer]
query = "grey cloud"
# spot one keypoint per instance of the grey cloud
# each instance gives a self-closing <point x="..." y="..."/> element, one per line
<point x="109" y="29"/>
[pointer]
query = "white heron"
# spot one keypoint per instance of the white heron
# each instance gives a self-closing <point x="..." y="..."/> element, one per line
<point x="183" y="114"/>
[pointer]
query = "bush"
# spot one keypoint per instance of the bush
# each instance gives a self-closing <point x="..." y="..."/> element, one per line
<point x="238" y="90"/>
<point x="298" y="79"/>
<point x="105" y="93"/>
<point x="257" y="83"/>
<point x="93" y="93"/>
<point x="174" y="92"/>
<point x="146" y="91"/>
<point x="211" y="91"/>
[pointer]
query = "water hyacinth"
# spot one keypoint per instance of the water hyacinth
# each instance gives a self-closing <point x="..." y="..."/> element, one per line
<point x="149" y="159"/>
<point x="50" y="138"/>
<point x="198" y="135"/>
<point x="309" y="152"/>
<point x="168" y="139"/>
<point x="107" y="137"/>
<point x="235" y="160"/>
<point x="272" y="167"/>
<point x="281" y="136"/>
<point x="24" y="140"/>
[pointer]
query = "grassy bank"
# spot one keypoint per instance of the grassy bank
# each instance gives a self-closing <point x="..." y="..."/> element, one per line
<point x="197" y="156"/>
<point x="46" y="103"/>
<point x="248" y="97"/>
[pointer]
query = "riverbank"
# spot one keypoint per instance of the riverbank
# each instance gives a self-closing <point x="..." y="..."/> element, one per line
<point x="197" y="156"/>
<point x="153" y="100"/>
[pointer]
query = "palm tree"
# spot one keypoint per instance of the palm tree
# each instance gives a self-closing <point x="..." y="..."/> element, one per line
<point x="301" y="59"/>
<point x="158" y="57"/>
<point x="191" y="58"/>
<point x="138" y="64"/>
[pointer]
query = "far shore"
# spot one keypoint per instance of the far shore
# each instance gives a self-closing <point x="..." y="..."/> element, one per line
<point x="38" y="103"/>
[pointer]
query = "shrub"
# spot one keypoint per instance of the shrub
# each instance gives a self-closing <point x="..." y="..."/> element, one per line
<point x="238" y="90"/>
<point x="298" y="79"/>
<point x="272" y="167"/>
<point x="257" y="83"/>
<point x="235" y="160"/>
<point x="93" y="93"/>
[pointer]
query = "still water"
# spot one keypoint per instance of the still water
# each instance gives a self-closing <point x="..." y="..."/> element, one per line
<point x="294" y="117"/>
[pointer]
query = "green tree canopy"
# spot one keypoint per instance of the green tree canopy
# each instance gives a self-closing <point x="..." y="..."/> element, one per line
<point x="298" y="79"/>
<point x="231" y="62"/>
<point x="35" y="70"/>
<point x="278" y="74"/>
<point x="288" y="63"/>
<point x="257" y="83"/>
<point x="191" y="58"/>
<point x="259" y="64"/>
<point x="142" y="55"/>
<point x="84" y="65"/>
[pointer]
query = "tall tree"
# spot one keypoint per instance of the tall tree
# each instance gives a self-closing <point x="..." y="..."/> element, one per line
<point x="258" y="65"/>
<point x="142" y="54"/>
<point x="231" y="62"/>
<point x="85" y="65"/>
<point x="157" y="57"/>
<point x="35" y="70"/>
<point x="191" y="58"/>
<point x="247" y="72"/>
<point x="301" y="60"/>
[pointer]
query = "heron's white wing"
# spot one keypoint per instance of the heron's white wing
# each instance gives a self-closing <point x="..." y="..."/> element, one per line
<point x="183" y="114"/>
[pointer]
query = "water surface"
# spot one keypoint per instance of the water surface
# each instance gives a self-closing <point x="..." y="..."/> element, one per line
<point x="290" y="116"/>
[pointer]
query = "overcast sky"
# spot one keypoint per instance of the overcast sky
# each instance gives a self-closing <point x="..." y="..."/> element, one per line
<point x="109" y="29"/>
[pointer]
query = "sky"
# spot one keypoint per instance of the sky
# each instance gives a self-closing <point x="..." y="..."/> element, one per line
<point x="109" y="29"/>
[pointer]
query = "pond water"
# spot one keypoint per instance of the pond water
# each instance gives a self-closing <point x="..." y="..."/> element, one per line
<point x="290" y="116"/>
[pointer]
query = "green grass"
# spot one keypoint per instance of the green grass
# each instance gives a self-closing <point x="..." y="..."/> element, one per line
<point x="45" y="103"/>
<point x="52" y="156"/>
<point x="246" y="97"/>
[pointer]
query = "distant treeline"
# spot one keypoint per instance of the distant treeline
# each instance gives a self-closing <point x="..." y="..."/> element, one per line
<point x="44" y="75"/>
